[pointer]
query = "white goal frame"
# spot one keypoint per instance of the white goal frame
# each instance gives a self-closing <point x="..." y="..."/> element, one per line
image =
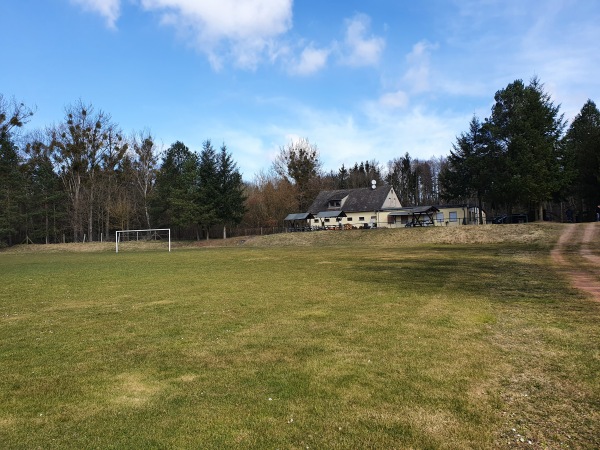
<point x="139" y="231"/>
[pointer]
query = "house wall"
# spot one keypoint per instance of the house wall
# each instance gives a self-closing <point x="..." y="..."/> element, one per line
<point x="391" y="201"/>
<point x="354" y="219"/>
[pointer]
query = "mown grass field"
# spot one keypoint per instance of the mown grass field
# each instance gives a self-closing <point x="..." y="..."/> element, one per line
<point x="363" y="339"/>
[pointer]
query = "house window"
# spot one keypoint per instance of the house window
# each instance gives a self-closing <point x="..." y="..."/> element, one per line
<point x="361" y="219"/>
<point x="316" y="220"/>
<point x="439" y="217"/>
<point x="453" y="215"/>
<point x="349" y="219"/>
<point x="326" y="220"/>
<point x="334" y="203"/>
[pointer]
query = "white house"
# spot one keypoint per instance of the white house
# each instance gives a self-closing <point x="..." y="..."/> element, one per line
<point x="356" y="208"/>
<point x="377" y="207"/>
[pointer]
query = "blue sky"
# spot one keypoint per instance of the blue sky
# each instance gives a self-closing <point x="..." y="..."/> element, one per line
<point x="360" y="79"/>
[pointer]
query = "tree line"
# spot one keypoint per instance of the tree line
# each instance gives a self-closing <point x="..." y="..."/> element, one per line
<point x="521" y="157"/>
<point x="83" y="178"/>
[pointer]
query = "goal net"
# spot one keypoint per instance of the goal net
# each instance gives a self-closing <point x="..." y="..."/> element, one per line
<point x="143" y="239"/>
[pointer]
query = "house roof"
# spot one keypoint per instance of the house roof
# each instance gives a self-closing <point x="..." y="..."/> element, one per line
<point x="298" y="216"/>
<point x="362" y="199"/>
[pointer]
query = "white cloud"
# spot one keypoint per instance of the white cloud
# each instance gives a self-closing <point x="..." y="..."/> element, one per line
<point x="109" y="9"/>
<point x="248" y="32"/>
<point x="418" y="60"/>
<point x="393" y="100"/>
<point x="360" y="49"/>
<point x="311" y="60"/>
<point x="242" y="30"/>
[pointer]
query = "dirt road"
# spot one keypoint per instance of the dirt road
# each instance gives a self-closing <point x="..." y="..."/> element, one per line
<point x="575" y="258"/>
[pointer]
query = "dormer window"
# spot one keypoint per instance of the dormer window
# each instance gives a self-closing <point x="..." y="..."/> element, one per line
<point x="335" y="203"/>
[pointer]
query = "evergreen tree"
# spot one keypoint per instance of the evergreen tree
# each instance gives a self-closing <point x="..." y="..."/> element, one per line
<point x="175" y="199"/>
<point x="582" y="143"/>
<point x="469" y="170"/>
<point x="403" y="179"/>
<point x="13" y="115"/>
<point x="361" y="175"/>
<point x="45" y="197"/>
<point x="526" y="128"/>
<point x="342" y="178"/>
<point x="12" y="191"/>
<point x="208" y="188"/>
<point x="231" y="207"/>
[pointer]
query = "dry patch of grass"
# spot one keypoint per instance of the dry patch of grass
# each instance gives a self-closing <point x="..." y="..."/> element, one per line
<point x="87" y="247"/>
<point x="534" y="233"/>
<point x="133" y="389"/>
<point x="544" y="234"/>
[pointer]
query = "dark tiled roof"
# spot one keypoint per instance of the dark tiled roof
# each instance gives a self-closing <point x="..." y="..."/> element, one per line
<point x="298" y="216"/>
<point x="326" y="214"/>
<point x="363" y="199"/>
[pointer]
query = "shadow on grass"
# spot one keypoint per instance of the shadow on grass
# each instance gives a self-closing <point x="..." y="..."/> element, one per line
<point x="499" y="274"/>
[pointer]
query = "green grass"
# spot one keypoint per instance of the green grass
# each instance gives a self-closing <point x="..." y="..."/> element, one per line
<point x="332" y="346"/>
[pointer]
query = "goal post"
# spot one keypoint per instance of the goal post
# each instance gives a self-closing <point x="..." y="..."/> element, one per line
<point x="136" y="235"/>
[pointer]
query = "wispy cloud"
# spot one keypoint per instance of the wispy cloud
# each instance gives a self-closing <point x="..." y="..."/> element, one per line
<point x="393" y="100"/>
<point x="361" y="48"/>
<point x="109" y="9"/>
<point x="415" y="79"/>
<point x="418" y="73"/>
<point x="311" y="60"/>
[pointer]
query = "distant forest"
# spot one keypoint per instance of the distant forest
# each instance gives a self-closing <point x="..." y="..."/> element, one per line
<point x="83" y="178"/>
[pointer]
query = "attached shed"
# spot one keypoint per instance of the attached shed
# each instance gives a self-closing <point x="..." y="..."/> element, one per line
<point x="330" y="219"/>
<point x="418" y="216"/>
<point x="298" y="221"/>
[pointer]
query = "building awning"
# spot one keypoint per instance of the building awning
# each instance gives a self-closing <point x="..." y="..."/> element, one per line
<point x="417" y="210"/>
<point x="298" y="216"/>
<point x="330" y="214"/>
<point x="419" y="215"/>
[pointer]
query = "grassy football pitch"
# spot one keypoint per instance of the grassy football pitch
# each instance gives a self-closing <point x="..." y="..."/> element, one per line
<point x="362" y="339"/>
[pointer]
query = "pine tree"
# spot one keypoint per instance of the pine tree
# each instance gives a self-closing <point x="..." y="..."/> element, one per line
<point x="208" y="188"/>
<point x="231" y="198"/>
<point x="582" y="143"/>
<point x="45" y="196"/>
<point x="175" y="198"/>
<point x="13" y="115"/>
<point x="12" y="191"/>
<point x="470" y="170"/>
<point x="526" y="128"/>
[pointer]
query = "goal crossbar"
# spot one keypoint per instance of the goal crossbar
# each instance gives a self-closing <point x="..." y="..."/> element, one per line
<point x="148" y="230"/>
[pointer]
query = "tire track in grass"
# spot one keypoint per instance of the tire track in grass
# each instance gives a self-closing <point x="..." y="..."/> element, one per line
<point x="583" y="269"/>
